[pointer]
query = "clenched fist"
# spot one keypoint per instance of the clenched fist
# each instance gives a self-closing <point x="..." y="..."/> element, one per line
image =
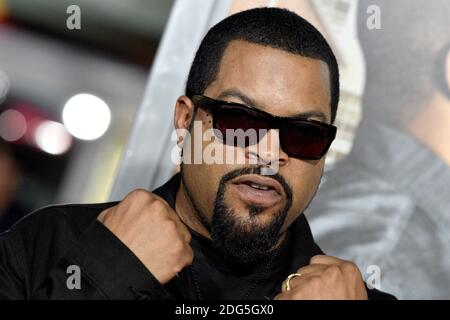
<point x="151" y="229"/>
<point x="326" y="278"/>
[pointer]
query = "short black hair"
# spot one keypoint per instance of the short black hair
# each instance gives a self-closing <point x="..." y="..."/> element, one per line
<point x="272" y="27"/>
<point x="403" y="58"/>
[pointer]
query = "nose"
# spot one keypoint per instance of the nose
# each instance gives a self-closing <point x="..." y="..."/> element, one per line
<point x="268" y="150"/>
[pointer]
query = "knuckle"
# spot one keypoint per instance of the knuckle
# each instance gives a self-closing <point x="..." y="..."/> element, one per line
<point x="158" y="207"/>
<point x="349" y="267"/>
<point x="189" y="256"/>
<point x="315" y="282"/>
<point x="333" y="271"/>
<point x="159" y="215"/>
<point x="158" y="204"/>
<point x="184" y="261"/>
<point x="103" y="215"/>
<point x="178" y="267"/>
<point x="125" y="204"/>
<point x="135" y="198"/>
<point x="179" y="245"/>
<point x="301" y="270"/>
<point x="316" y="259"/>
<point x="139" y="194"/>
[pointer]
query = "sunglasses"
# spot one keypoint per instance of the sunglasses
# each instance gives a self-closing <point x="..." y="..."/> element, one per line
<point x="299" y="138"/>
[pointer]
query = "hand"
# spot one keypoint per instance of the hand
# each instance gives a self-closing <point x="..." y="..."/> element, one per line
<point x="326" y="278"/>
<point x="151" y="229"/>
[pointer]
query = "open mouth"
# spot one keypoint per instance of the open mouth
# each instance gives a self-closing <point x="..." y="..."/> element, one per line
<point x="259" y="186"/>
<point x="258" y="190"/>
<point x="260" y="183"/>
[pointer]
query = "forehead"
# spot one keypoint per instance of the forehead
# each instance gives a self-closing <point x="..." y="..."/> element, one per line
<point x="280" y="82"/>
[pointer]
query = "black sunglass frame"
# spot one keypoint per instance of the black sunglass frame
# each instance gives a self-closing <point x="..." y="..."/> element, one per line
<point x="214" y="106"/>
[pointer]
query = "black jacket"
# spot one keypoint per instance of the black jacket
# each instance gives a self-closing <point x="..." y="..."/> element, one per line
<point x="36" y="253"/>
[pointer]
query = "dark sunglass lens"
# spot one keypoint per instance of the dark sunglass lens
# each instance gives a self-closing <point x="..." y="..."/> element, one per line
<point x="306" y="140"/>
<point x="240" y="127"/>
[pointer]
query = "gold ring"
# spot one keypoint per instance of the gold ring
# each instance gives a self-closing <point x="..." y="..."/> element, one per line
<point x="286" y="284"/>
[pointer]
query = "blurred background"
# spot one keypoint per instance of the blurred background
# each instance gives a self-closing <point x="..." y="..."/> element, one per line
<point x="55" y="150"/>
<point x="86" y="116"/>
<point x="47" y="69"/>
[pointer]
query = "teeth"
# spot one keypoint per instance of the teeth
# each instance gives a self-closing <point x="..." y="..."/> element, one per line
<point x="257" y="186"/>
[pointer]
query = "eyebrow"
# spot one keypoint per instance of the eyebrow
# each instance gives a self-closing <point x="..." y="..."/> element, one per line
<point x="236" y="93"/>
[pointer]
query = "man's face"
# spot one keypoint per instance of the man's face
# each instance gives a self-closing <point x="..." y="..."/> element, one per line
<point x="282" y="84"/>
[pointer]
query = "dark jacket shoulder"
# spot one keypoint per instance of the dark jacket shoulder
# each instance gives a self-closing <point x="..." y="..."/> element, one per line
<point x="39" y="251"/>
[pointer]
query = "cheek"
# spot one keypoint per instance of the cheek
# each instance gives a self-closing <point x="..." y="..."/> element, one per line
<point x="202" y="180"/>
<point x="206" y="161"/>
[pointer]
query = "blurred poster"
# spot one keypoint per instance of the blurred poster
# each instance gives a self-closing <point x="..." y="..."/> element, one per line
<point x="386" y="204"/>
<point x="384" y="201"/>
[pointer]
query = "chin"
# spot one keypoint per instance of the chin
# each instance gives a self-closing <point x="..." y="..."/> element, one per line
<point x="254" y="218"/>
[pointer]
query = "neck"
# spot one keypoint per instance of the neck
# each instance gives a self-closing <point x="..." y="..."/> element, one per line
<point x="432" y="127"/>
<point x="187" y="213"/>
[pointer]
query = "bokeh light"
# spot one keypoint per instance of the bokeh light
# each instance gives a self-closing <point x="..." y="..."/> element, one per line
<point x="52" y="137"/>
<point x="13" y="125"/>
<point x="86" y="116"/>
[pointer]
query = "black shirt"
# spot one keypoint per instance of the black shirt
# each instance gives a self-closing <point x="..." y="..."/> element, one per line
<point x="36" y="253"/>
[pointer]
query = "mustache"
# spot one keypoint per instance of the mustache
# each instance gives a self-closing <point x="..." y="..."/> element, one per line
<point x="258" y="170"/>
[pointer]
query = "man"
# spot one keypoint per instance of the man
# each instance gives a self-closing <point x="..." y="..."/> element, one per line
<point x="387" y="204"/>
<point x="214" y="231"/>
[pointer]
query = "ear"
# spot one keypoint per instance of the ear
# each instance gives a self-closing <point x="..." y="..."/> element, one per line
<point x="183" y="116"/>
